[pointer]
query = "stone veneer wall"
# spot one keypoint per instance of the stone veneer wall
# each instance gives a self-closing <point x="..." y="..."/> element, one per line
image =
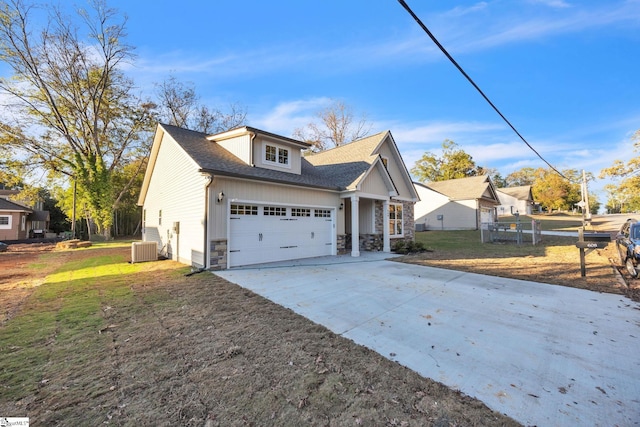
<point x="218" y="257"/>
<point x="371" y="242"/>
<point x="341" y="243"/>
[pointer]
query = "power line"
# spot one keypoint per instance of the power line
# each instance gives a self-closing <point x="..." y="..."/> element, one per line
<point x="453" y="61"/>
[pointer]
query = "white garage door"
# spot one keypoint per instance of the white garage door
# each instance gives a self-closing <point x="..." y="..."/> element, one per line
<point x="264" y="233"/>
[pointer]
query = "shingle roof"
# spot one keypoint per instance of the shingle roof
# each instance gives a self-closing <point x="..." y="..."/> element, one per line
<point x="346" y="164"/>
<point x="521" y="193"/>
<point x="335" y="169"/>
<point x="462" y="188"/>
<point x="7" y="205"/>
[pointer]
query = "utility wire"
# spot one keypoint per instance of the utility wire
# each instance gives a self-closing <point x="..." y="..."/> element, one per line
<point x="453" y="61"/>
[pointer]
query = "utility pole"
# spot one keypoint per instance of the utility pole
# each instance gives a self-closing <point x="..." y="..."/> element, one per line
<point x="73" y="220"/>
<point x="586" y="210"/>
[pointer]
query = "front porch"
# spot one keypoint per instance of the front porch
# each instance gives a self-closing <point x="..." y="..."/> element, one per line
<point x="378" y="223"/>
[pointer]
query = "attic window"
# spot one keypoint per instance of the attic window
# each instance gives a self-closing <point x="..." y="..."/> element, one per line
<point x="275" y="155"/>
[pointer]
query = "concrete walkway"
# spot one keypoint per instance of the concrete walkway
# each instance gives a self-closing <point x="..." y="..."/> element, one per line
<point x="545" y="355"/>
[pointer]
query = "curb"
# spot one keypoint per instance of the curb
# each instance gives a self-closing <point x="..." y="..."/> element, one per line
<point x="619" y="276"/>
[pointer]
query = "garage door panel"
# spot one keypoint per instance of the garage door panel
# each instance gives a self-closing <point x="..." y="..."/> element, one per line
<point x="266" y="237"/>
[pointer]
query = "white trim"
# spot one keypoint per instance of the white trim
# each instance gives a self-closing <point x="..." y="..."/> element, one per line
<point x="386" y="244"/>
<point x="355" y="226"/>
<point x="9" y="223"/>
<point x="392" y="232"/>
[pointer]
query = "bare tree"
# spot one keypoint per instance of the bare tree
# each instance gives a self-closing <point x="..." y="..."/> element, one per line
<point x="179" y="105"/>
<point x="75" y="114"/>
<point x="335" y="126"/>
<point x="177" y="101"/>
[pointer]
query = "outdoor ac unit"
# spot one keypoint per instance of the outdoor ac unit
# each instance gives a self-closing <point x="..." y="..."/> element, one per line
<point x="144" y="251"/>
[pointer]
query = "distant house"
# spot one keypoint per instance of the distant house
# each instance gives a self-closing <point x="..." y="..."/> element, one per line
<point x="247" y="196"/>
<point x="515" y="199"/>
<point x="13" y="220"/>
<point x="456" y="204"/>
<point x="17" y="221"/>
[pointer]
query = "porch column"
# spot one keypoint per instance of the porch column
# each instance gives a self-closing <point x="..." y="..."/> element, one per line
<point x="386" y="244"/>
<point x="355" y="227"/>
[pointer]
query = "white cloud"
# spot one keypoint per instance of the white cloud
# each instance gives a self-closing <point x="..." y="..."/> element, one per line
<point x="552" y="3"/>
<point x="516" y="25"/>
<point x="287" y="116"/>
<point x="436" y="132"/>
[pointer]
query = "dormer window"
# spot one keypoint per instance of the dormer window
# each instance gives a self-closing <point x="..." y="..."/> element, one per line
<point x="275" y="155"/>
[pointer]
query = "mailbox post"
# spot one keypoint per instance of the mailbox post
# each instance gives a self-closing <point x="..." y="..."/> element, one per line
<point x="587" y="242"/>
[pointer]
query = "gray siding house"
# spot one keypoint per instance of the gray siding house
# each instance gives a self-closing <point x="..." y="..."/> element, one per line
<point x="247" y="196"/>
<point x="456" y="204"/>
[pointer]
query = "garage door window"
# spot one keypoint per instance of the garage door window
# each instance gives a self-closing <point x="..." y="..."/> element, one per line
<point x="275" y="211"/>
<point x="244" y="210"/>
<point x="322" y="213"/>
<point x="395" y="220"/>
<point x="300" y="212"/>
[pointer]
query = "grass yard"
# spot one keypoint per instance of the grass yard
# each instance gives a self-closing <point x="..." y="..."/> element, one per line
<point x="556" y="260"/>
<point x="88" y="339"/>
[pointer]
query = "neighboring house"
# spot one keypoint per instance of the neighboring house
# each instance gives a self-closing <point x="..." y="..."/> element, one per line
<point x="17" y="221"/>
<point x="456" y="204"/>
<point x="247" y="196"/>
<point x="515" y="199"/>
<point x="13" y="220"/>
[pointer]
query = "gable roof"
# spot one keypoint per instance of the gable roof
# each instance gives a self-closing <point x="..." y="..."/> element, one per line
<point x="350" y="163"/>
<point x="347" y="164"/>
<point x="339" y="169"/>
<point x="7" y="205"/>
<point x="471" y="188"/>
<point x="522" y="192"/>
<point x="212" y="158"/>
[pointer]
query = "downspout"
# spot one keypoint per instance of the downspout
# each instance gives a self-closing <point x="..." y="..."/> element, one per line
<point x="252" y="136"/>
<point x="205" y="253"/>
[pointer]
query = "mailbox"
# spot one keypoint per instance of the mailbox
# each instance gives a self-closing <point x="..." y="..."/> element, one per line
<point x="594" y="240"/>
<point x="588" y="242"/>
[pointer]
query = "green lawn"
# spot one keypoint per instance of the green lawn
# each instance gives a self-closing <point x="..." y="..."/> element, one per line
<point x="467" y="244"/>
<point x="59" y="325"/>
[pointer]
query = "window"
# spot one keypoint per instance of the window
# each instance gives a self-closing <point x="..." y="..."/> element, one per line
<point x="5" y="222"/>
<point x="276" y="155"/>
<point x="300" y="212"/>
<point x="395" y="220"/>
<point x="274" y="211"/>
<point x="244" y="210"/>
<point x="271" y="153"/>
<point x="322" y="213"/>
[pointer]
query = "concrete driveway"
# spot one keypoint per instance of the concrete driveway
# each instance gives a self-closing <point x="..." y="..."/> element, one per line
<point x="545" y="355"/>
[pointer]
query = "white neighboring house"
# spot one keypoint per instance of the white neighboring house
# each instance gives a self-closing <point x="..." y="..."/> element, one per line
<point x="515" y="199"/>
<point x="456" y="204"/>
<point x="247" y="196"/>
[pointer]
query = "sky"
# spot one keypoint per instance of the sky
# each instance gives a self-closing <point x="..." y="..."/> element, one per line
<point x="564" y="72"/>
